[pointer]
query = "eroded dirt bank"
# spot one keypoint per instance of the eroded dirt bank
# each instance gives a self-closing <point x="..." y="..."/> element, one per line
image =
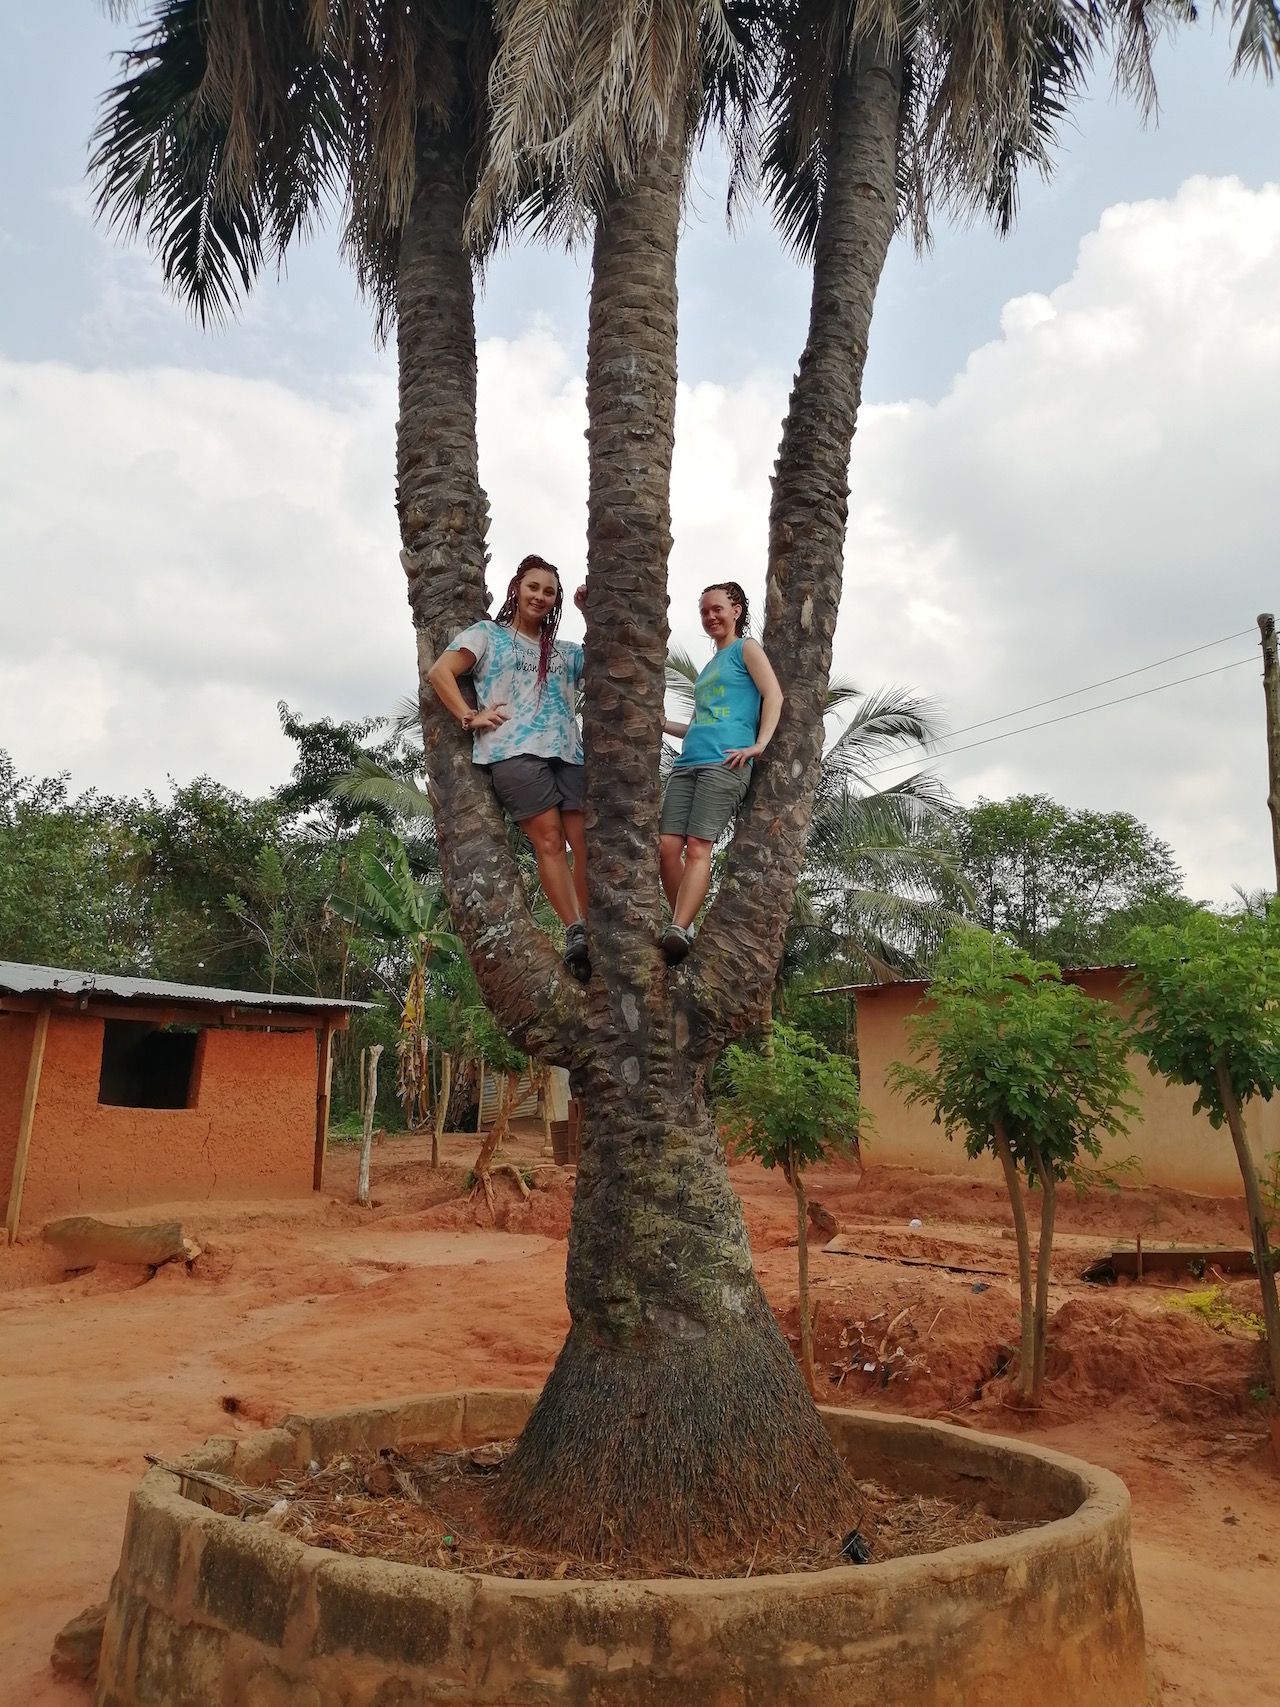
<point x="317" y="1304"/>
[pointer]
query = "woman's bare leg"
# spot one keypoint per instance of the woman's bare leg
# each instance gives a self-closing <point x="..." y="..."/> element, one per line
<point x="695" y="882"/>
<point x="576" y="836"/>
<point x="671" y="867"/>
<point x="546" y="830"/>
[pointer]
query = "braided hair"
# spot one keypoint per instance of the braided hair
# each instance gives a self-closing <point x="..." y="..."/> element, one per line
<point x="736" y="596"/>
<point x="550" y="622"/>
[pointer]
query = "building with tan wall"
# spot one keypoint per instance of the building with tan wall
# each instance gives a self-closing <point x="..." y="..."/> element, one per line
<point x="116" y="1092"/>
<point x="1173" y="1146"/>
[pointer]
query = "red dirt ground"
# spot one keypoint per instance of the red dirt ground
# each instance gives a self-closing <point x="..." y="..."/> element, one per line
<point x="317" y="1304"/>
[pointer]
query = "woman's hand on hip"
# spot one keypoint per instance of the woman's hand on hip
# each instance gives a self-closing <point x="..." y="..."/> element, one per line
<point x="739" y="756"/>
<point x="489" y="718"/>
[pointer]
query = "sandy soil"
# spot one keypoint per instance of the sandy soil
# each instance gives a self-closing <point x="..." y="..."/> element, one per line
<point x="317" y="1304"/>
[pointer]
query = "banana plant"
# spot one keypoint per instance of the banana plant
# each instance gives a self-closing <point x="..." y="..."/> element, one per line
<point x="397" y="909"/>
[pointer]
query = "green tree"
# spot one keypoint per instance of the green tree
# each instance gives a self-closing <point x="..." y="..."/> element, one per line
<point x="1208" y="1004"/>
<point x="432" y="121"/>
<point x="1064" y="883"/>
<point x="880" y="886"/>
<point x="791" y="1107"/>
<point x="1027" y="1068"/>
<point x="71" y="889"/>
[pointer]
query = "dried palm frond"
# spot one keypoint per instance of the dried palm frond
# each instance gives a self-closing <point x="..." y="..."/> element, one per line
<point x="580" y="90"/>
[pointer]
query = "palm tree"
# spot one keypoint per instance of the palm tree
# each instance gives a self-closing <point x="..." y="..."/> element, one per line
<point x="232" y="128"/>
<point x="880" y="886"/>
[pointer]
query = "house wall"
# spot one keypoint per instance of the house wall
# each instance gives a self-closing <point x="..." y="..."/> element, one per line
<point x="249" y="1132"/>
<point x="1174" y="1147"/>
<point x="16" y="1033"/>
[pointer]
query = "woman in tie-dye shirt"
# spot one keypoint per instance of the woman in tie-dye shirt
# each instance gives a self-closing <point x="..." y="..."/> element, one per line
<point x="525" y="731"/>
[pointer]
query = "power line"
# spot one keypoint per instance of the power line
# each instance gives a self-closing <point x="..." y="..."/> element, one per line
<point x="1104" y="683"/>
<point x="1066" y="716"/>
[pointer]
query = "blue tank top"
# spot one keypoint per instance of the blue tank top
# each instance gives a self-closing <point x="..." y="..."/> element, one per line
<point x="727" y="711"/>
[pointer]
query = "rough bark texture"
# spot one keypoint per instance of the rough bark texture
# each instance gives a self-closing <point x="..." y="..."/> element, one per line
<point x="737" y="950"/>
<point x="675" y="1418"/>
<point x="444" y="517"/>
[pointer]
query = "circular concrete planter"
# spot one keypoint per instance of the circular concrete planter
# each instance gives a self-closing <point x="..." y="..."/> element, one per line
<point x="207" y="1611"/>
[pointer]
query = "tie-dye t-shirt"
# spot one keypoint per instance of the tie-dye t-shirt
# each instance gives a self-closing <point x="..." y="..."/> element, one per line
<point x="506" y="673"/>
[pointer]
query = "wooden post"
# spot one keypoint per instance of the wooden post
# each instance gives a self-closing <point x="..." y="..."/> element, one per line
<point x="1271" y="688"/>
<point x="26" y="1122"/>
<point x="366" y="1144"/>
<point x="442" y="1105"/>
<point x="324" y="1083"/>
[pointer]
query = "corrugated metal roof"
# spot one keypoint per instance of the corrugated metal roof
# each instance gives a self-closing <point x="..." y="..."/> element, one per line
<point x="1068" y="973"/>
<point x="17" y="979"/>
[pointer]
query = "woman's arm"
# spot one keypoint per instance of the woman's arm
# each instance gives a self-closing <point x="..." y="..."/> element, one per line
<point x="761" y="672"/>
<point x="443" y="676"/>
<point x="679" y="730"/>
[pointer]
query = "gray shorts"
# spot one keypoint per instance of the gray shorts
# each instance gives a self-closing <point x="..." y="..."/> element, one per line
<point x="529" y="784"/>
<point x="701" y="800"/>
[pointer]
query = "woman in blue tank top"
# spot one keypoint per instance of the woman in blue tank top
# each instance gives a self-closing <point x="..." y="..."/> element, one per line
<point x="737" y="703"/>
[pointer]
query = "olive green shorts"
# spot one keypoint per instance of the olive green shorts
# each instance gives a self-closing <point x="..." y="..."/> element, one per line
<point x="701" y="799"/>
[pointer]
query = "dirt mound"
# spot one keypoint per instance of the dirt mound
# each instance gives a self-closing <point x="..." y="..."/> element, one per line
<point x="545" y="1211"/>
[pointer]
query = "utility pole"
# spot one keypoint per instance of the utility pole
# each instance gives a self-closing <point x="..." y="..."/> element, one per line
<point x="1271" y="688"/>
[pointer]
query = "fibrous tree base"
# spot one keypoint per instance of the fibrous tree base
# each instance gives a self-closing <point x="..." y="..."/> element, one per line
<point x="684" y="1448"/>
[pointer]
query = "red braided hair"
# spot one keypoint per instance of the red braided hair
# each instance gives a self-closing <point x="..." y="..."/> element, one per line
<point x="550" y="622"/>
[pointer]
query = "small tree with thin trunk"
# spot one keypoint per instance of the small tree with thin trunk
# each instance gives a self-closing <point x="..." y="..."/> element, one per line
<point x="1029" y="1069"/>
<point x="792" y="1107"/>
<point x="1208" y="1004"/>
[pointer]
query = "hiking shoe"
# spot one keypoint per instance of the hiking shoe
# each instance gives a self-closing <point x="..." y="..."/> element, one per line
<point x="676" y="943"/>
<point x="576" y="955"/>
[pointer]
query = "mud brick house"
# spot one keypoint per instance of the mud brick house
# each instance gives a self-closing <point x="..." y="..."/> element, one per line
<point x="1173" y="1146"/>
<point x="116" y="1092"/>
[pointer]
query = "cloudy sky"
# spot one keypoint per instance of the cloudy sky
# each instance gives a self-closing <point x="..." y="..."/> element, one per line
<point x="1065" y="470"/>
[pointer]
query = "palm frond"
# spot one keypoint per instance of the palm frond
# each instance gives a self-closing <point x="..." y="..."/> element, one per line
<point x="370" y="784"/>
<point x="579" y="92"/>
<point x="1258" y="41"/>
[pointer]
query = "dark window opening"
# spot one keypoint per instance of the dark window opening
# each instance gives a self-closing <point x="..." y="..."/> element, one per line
<point x="144" y="1067"/>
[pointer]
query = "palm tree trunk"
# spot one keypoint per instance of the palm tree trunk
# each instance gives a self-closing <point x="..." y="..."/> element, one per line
<point x="1013" y="1185"/>
<point x="1258" y="1233"/>
<point x="675" y="1418"/>
<point x="444" y="517"/>
<point x="739" y="945"/>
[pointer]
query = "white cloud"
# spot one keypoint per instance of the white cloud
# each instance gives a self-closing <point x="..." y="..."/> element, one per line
<point x="179" y="549"/>
<point x="1097" y="491"/>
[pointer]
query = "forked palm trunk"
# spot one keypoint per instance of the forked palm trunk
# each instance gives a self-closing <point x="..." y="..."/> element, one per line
<point x="738" y="949"/>
<point x="444" y="518"/>
<point x="675" y="1417"/>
